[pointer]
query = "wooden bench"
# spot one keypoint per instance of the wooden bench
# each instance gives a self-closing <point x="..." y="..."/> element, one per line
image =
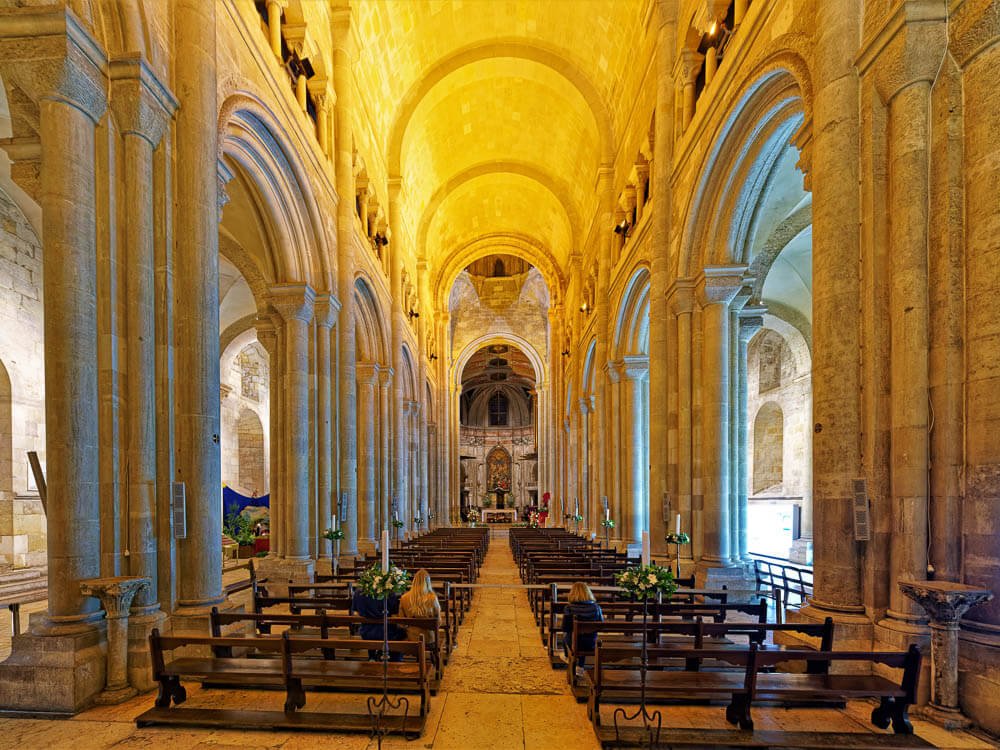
<point x="326" y="626"/>
<point x="616" y="679"/>
<point x="289" y="670"/>
<point x="13" y="605"/>
<point x="236" y="586"/>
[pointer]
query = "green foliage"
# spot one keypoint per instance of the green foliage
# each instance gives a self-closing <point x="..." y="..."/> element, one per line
<point x="681" y="538"/>
<point x="238" y="526"/>
<point x="397" y="524"/>
<point x="608" y="523"/>
<point x="334" y="534"/>
<point x="647" y="581"/>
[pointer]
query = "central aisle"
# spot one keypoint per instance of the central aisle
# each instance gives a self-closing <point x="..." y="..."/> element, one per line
<point x="498" y="689"/>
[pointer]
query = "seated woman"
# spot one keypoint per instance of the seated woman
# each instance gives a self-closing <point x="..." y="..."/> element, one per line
<point x="420" y="601"/>
<point x="371" y="609"/>
<point x="583" y="607"/>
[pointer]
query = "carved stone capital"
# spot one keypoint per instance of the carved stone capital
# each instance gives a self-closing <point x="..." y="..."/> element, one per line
<point x="908" y="48"/>
<point x="719" y="285"/>
<point x="25" y="155"/>
<point x="943" y="601"/>
<point x="635" y="368"/>
<point x="385" y="377"/>
<point x="326" y="309"/>
<point x="688" y="66"/>
<point x="680" y="296"/>
<point x="49" y="55"/>
<point x="366" y="373"/>
<point x="267" y="334"/>
<point x="751" y="321"/>
<point x="116" y="593"/>
<point x="584" y="406"/>
<point x="141" y="103"/>
<point x="293" y="301"/>
<point x="802" y="139"/>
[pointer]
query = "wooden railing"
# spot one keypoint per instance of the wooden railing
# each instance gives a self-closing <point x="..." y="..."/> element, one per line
<point x="789" y="583"/>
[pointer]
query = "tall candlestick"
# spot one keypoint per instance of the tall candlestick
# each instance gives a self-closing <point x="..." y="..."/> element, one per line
<point x="678" y="523"/>
<point x="385" y="549"/>
<point x="645" y="548"/>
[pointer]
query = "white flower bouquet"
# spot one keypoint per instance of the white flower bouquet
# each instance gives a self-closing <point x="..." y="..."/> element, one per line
<point x="378" y="584"/>
<point x="647" y="581"/>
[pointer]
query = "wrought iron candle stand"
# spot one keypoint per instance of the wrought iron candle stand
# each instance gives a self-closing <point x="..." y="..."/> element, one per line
<point x="677" y="540"/>
<point x="379" y="708"/>
<point x="652" y="722"/>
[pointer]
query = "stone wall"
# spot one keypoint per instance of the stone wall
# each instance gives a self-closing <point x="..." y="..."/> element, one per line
<point x="22" y="411"/>
<point x="245" y="416"/>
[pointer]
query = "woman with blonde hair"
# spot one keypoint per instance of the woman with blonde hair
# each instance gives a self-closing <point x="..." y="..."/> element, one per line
<point x="581" y="606"/>
<point x="420" y="601"/>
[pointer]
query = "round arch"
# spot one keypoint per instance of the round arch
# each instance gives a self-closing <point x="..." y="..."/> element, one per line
<point x="771" y="109"/>
<point x="520" y="246"/>
<point x="370" y="323"/>
<point x="555" y="186"/>
<point x="537" y="364"/>
<point x="252" y="138"/>
<point x="632" y="321"/>
<point x="559" y="61"/>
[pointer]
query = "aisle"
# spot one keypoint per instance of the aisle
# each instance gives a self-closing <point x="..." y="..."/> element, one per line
<point x="498" y="689"/>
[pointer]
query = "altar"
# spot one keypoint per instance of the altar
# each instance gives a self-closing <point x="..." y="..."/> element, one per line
<point x="499" y="515"/>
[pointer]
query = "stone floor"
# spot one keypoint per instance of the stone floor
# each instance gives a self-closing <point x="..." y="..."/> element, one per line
<point x="498" y="692"/>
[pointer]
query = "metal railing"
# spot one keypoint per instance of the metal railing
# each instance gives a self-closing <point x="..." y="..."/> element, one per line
<point x="789" y="583"/>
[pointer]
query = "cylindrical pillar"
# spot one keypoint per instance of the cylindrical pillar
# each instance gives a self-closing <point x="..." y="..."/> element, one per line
<point x="69" y="280"/>
<point x="274" y="26"/>
<point x="634" y="437"/>
<point x="716" y="290"/>
<point x="196" y="288"/>
<point x="326" y="310"/>
<point x="295" y="302"/>
<point x="367" y="478"/>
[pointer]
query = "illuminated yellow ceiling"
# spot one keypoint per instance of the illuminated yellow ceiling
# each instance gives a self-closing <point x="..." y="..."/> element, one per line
<point x="497" y="114"/>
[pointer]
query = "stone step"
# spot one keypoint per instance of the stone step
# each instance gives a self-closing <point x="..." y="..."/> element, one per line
<point x="15" y="583"/>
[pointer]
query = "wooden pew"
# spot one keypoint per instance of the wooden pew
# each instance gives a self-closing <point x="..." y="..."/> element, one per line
<point x="616" y="680"/>
<point x="286" y="670"/>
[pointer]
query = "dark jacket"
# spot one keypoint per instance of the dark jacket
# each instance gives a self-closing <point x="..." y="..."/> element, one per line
<point x="371" y="609"/>
<point x="584" y="612"/>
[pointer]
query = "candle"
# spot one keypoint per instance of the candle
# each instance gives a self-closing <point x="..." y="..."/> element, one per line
<point x="577" y="501"/>
<point x="607" y="514"/>
<point x="645" y="548"/>
<point x="333" y="522"/>
<point x="678" y="523"/>
<point x="385" y="549"/>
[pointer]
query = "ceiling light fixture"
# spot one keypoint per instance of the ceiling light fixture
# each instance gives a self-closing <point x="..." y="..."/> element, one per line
<point x="622" y="227"/>
<point x="412" y="314"/>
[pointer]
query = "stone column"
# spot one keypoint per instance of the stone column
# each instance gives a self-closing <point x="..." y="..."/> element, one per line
<point x="385" y="446"/>
<point x="633" y="436"/>
<point x="343" y="81"/>
<point x="142" y="106"/>
<point x="294" y="302"/>
<point x="688" y="65"/>
<point x="716" y="290"/>
<point x="367" y="479"/>
<point x="905" y="61"/>
<point x="751" y="320"/>
<point x="584" y="464"/>
<point x="197" y="305"/>
<point x="681" y="296"/>
<point x="837" y="324"/>
<point x="326" y="313"/>
<point x="116" y="596"/>
<point x="271" y="337"/>
<point x="613" y="449"/>
<point x="601" y="448"/>
<point x="274" y="9"/>
<point x="945" y="603"/>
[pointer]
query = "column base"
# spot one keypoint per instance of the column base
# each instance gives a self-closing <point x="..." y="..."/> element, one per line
<point x="737" y="578"/>
<point x="949" y="718"/>
<point x="852" y="629"/>
<point x="895" y="632"/>
<point x="58" y="673"/>
<point x="801" y="551"/>
<point x="140" y="667"/>
<point x="114" y="697"/>
<point x="279" y="570"/>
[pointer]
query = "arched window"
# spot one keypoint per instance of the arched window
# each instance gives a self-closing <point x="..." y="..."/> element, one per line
<point x="768" y="447"/>
<point x="498" y="268"/>
<point x="498" y="409"/>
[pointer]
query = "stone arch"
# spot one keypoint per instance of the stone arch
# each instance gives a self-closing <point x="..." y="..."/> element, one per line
<point x="6" y="445"/>
<point x="557" y="187"/>
<point x="537" y="363"/>
<point x="768" y="447"/>
<point x="631" y="336"/>
<point x="409" y="380"/>
<point x="370" y="326"/>
<point x="771" y="110"/>
<point x="508" y="244"/>
<point x="252" y="138"/>
<point x="588" y="378"/>
<point x="559" y="61"/>
<point x="252" y="455"/>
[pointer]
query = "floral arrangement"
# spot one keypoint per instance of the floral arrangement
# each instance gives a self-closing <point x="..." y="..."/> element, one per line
<point x="379" y="584"/>
<point x="473" y="515"/>
<point x="546" y="496"/>
<point x="334" y="534"/>
<point x="647" y="581"/>
<point x="418" y="520"/>
<point x="576" y="517"/>
<point x="397" y="524"/>
<point x="608" y="523"/>
<point x="681" y="538"/>
<point x="487" y="501"/>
